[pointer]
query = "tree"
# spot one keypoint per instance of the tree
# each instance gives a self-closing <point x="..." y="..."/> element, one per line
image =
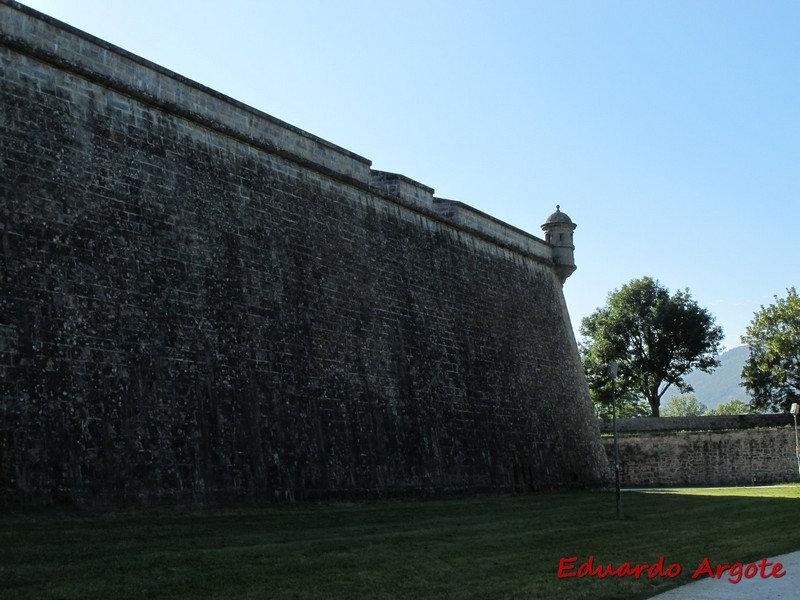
<point x="684" y="405"/>
<point x="655" y="338"/>
<point x="629" y="404"/>
<point x="731" y="407"/>
<point x="772" y="372"/>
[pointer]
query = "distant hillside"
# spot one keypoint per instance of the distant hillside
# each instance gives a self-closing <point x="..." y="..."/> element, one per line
<point x="722" y="385"/>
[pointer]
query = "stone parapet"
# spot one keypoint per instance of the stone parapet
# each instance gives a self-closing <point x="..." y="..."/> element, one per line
<point x="473" y="219"/>
<point x="74" y="50"/>
<point x="405" y="189"/>
<point x="135" y="78"/>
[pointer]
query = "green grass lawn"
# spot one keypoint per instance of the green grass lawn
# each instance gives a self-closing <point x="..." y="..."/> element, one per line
<point x="485" y="547"/>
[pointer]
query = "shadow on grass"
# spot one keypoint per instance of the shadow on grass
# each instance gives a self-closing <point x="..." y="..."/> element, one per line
<point x="486" y="547"/>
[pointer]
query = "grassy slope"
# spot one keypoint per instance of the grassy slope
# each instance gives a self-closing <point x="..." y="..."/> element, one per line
<point x="507" y="547"/>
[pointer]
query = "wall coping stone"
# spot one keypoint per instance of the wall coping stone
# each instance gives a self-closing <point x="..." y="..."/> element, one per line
<point x="705" y="423"/>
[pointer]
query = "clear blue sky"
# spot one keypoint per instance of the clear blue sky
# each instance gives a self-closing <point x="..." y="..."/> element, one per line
<point x="669" y="131"/>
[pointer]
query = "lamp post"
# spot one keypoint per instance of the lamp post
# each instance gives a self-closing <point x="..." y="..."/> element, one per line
<point x="613" y="370"/>
<point x="794" y="410"/>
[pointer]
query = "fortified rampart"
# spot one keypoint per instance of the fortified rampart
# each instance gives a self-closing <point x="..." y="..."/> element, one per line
<point x="704" y="451"/>
<point x="202" y="303"/>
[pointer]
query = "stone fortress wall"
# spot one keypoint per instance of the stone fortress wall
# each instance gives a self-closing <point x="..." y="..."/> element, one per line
<point x="704" y="451"/>
<point x="201" y="303"/>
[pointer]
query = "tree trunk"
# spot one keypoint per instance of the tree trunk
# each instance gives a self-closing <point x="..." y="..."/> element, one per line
<point x="655" y="406"/>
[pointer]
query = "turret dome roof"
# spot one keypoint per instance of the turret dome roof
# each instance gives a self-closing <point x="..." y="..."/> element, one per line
<point x="558" y="217"/>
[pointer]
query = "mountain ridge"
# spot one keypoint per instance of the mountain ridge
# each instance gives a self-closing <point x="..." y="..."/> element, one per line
<point x="721" y="385"/>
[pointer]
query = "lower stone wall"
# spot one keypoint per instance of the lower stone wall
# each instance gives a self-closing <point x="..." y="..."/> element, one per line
<point x="707" y="458"/>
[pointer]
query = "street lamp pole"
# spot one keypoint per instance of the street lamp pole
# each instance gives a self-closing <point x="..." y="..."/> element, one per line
<point x="613" y="370"/>
<point x="794" y="410"/>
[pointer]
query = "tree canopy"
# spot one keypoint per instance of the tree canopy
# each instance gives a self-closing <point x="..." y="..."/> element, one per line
<point x="772" y="372"/>
<point x="732" y="407"/>
<point x="684" y="405"/>
<point x="656" y="338"/>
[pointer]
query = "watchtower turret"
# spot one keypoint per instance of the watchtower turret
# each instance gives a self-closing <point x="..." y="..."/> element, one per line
<point x="558" y="233"/>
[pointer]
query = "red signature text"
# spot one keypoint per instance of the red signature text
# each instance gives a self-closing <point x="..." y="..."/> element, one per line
<point x="764" y="569"/>
<point x="737" y="571"/>
<point x="588" y="568"/>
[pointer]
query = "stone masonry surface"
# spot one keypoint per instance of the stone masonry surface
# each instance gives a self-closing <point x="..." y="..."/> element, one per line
<point x="201" y="303"/>
<point x="754" y="449"/>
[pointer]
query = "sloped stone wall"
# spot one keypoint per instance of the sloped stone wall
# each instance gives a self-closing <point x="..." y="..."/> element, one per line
<point x="203" y="304"/>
